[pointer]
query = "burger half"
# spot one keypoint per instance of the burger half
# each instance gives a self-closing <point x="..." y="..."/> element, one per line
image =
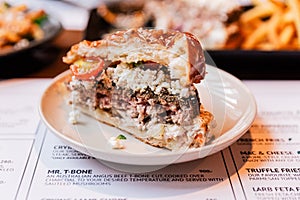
<point x="143" y="81"/>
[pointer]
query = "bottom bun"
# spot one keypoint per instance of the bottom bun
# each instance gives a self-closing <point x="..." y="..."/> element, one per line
<point x="156" y="135"/>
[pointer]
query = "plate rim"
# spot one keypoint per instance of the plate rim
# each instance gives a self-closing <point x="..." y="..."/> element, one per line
<point x="213" y="148"/>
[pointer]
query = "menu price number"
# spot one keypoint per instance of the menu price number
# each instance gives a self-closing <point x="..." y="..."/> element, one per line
<point x="6" y="161"/>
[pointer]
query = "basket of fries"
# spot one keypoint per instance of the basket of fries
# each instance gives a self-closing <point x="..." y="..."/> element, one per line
<point x="270" y="25"/>
<point x="266" y="44"/>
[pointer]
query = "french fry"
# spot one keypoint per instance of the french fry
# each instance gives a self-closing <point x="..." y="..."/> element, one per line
<point x="267" y="46"/>
<point x="272" y="33"/>
<point x="294" y="42"/>
<point x="295" y="8"/>
<point x="286" y="35"/>
<point x="255" y="37"/>
<point x="261" y="11"/>
<point x="256" y="2"/>
<point x="280" y="4"/>
<point x="287" y="17"/>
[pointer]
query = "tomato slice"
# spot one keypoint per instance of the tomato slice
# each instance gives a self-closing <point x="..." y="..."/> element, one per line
<point x="87" y="68"/>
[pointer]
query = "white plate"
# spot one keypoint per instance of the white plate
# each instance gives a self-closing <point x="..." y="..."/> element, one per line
<point x="224" y="95"/>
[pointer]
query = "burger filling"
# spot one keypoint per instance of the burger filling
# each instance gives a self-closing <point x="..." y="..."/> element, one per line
<point x="142" y="94"/>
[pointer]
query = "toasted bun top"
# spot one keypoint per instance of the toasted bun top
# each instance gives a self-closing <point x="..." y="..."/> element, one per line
<point x="181" y="52"/>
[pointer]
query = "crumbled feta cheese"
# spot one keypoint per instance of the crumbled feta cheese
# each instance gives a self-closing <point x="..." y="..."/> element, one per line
<point x="116" y="143"/>
<point x="174" y="132"/>
<point x="176" y="88"/>
<point x="89" y="85"/>
<point x="73" y="116"/>
<point x="161" y="86"/>
<point x="184" y="92"/>
<point x="139" y="79"/>
<point x="74" y="82"/>
<point x="178" y="68"/>
<point x="157" y="131"/>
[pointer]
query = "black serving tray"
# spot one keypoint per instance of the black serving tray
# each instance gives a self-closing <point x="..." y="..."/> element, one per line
<point x="244" y="64"/>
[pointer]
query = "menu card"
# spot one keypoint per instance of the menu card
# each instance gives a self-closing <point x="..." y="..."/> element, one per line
<point x="263" y="164"/>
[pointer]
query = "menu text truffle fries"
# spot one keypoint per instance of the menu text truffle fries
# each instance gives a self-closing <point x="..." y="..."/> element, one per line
<point x="271" y="25"/>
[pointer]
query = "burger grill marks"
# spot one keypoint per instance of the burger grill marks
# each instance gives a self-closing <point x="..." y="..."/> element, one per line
<point x="143" y="90"/>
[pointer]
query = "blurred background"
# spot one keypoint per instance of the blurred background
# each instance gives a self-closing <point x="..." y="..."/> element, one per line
<point x="67" y="21"/>
<point x="252" y="39"/>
